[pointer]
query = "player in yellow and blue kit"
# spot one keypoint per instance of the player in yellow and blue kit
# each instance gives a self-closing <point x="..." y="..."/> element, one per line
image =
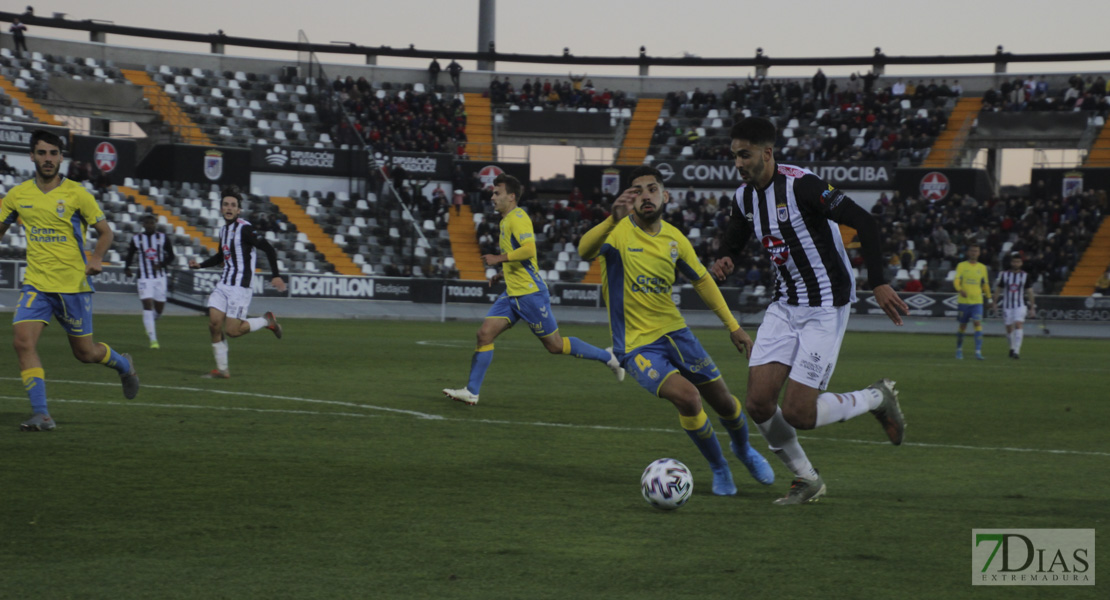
<point x="640" y="254"/>
<point x="55" y="213"/>
<point x="525" y="297"/>
<point x="972" y="283"/>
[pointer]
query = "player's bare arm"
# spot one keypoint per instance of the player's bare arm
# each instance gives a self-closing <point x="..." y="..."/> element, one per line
<point x="742" y="341"/>
<point x="494" y="259"/>
<point x="103" y="242"/>
<point x="890" y="303"/>
<point x="722" y="268"/>
<point x="278" y="283"/>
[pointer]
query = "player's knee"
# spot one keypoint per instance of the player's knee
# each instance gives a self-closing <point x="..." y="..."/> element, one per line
<point x="88" y="354"/>
<point x="758" y="408"/>
<point x="23" y="344"/>
<point x="798" y="417"/>
<point x="687" y="403"/>
<point x="552" y="346"/>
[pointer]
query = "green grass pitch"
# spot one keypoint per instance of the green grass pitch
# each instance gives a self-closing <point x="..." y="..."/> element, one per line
<point x="331" y="466"/>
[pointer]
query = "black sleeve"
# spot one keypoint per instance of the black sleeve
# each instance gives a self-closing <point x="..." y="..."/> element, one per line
<point x="813" y="193"/>
<point x="737" y="232"/>
<point x="130" y="252"/>
<point x="211" y="261"/>
<point x="261" y="243"/>
<point x="167" y="250"/>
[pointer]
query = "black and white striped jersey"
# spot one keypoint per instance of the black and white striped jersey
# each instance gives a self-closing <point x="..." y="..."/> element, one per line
<point x="154" y="250"/>
<point x="795" y="219"/>
<point x="237" y="253"/>
<point x="1013" y="285"/>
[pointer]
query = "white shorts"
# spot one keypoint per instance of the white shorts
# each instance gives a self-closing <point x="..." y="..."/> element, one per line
<point x="805" y="338"/>
<point x="153" y="289"/>
<point x="232" y="300"/>
<point x="1014" y="315"/>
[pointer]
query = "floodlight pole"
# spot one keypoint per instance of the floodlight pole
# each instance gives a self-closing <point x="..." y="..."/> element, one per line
<point x="487" y="31"/>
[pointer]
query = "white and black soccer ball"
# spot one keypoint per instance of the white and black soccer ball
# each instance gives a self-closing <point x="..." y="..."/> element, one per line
<point x="667" y="484"/>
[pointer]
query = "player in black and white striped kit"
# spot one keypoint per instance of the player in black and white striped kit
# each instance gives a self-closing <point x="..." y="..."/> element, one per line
<point x="229" y="302"/>
<point x="155" y="252"/>
<point x="1015" y="288"/>
<point x="794" y="214"/>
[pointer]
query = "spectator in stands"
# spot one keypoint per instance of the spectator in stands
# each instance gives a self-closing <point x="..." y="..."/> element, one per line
<point x="5" y="168"/>
<point x="453" y="69"/>
<point x="17" y="30"/>
<point x="1102" y="286"/>
<point x="433" y="73"/>
<point x="77" y="171"/>
<point x="819" y="84"/>
<point x="97" y="177"/>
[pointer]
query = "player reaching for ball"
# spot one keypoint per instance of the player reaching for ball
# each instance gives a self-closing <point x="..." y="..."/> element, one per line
<point x="640" y="254"/>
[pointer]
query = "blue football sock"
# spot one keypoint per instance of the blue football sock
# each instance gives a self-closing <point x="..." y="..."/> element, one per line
<point x="115" y="360"/>
<point x="579" y="349"/>
<point x="34" y="381"/>
<point x="700" y="431"/>
<point x="479" y="364"/>
<point x="737" y="430"/>
<point x="959" y="340"/>
<point x="978" y="341"/>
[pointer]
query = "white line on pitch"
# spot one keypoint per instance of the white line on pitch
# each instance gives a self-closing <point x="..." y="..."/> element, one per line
<point x="429" y="416"/>
<point x="414" y="413"/>
<point x="202" y="407"/>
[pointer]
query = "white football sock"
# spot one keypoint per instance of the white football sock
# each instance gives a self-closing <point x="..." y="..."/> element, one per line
<point x="1016" y="345"/>
<point x="148" y="324"/>
<point x="220" y="350"/>
<point x="832" y="408"/>
<point x="782" y="439"/>
<point x="257" y="323"/>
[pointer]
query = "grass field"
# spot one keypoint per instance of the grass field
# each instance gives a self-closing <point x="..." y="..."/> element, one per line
<point x="330" y="466"/>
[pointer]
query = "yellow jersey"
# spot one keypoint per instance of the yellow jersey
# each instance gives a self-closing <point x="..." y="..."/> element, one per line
<point x="638" y="272"/>
<point x="55" y="224"/>
<point x="972" y="279"/>
<point x="521" y="276"/>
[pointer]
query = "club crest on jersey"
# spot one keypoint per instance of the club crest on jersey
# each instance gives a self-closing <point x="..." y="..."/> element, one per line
<point x="674" y="252"/>
<point x="783" y="214"/>
<point x="776" y="249"/>
<point x="61" y="209"/>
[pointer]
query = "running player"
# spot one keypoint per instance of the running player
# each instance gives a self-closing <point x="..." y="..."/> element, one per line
<point x="1015" y="289"/>
<point x="155" y="252"/>
<point x="972" y="283"/>
<point x="795" y="215"/>
<point x="640" y="254"/>
<point x="525" y="297"/>
<point x="229" y="302"/>
<point x="55" y="213"/>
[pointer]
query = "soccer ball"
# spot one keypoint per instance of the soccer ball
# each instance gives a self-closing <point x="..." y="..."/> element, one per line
<point x="667" y="484"/>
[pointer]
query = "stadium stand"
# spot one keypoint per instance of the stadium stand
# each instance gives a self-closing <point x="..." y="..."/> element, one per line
<point x="846" y="124"/>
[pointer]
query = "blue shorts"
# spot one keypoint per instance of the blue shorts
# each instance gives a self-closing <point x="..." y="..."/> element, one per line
<point x="534" y="309"/>
<point x="676" y="352"/>
<point x="970" y="312"/>
<point x="73" y="311"/>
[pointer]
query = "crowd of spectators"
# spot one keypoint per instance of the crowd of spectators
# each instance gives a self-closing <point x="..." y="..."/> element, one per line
<point x="1035" y="94"/>
<point x="577" y="92"/>
<point x="1049" y="231"/>
<point x="923" y="241"/>
<point x="397" y="121"/>
<point x="857" y="120"/>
